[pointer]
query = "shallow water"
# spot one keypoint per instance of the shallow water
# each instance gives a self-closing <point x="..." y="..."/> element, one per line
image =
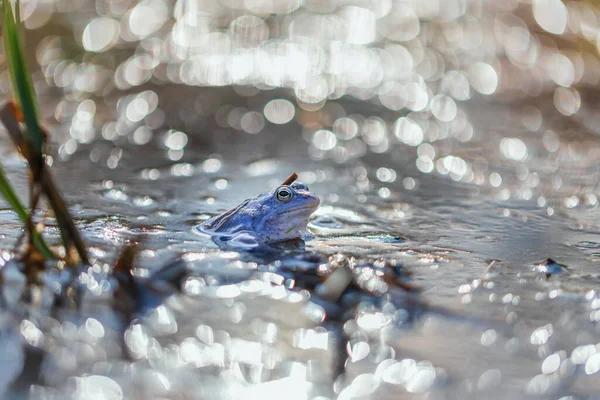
<point x="456" y="148"/>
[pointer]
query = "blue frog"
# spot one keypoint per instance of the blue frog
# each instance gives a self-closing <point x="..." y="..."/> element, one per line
<point x="275" y="216"/>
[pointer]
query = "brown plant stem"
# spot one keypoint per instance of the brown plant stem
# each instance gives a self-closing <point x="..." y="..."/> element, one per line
<point x="42" y="183"/>
<point x="290" y="179"/>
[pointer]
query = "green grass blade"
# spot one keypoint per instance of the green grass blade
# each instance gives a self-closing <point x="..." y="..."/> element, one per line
<point x="13" y="201"/>
<point x="31" y="141"/>
<point x="11" y="197"/>
<point x="20" y="78"/>
<point x="42" y="247"/>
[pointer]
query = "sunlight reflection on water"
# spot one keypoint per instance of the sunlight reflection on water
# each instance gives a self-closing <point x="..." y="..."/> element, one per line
<point x="438" y="134"/>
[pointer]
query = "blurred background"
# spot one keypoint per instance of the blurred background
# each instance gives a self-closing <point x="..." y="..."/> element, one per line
<point x="439" y="134"/>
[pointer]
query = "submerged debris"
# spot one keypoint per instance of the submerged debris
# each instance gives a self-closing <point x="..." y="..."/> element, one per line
<point x="134" y="296"/>
<point x="550" y="267"/>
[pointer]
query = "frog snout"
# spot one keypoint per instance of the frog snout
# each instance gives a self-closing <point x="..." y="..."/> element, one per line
<point x="311" y="200"/>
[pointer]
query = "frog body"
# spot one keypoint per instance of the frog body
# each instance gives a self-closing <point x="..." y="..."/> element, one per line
<point x="275" y="216"/>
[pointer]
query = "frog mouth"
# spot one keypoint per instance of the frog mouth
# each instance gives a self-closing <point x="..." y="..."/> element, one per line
<point x="296" y="210"/>
<point x="291" y="214"/>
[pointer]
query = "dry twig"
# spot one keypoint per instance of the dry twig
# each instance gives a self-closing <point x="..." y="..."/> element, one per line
<point x="290" y="179"/>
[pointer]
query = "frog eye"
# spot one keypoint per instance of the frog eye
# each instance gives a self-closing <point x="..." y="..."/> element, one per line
<point x="284" y="194"/>
<point x="299" y="186"/>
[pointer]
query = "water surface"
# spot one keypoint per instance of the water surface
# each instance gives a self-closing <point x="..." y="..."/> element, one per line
<point x="441" y="137"/>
